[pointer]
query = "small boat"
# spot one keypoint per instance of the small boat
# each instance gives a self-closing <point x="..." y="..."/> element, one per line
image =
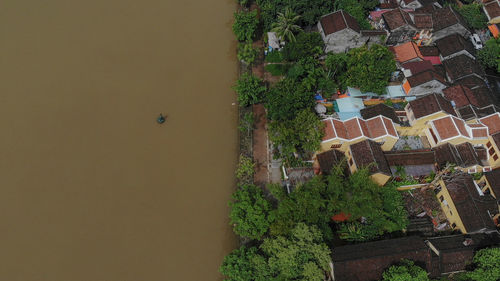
<point x="161" y="119"/>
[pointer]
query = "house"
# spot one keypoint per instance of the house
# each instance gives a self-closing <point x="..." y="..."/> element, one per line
<point x="490" y="183"/>
<point x="493" y="144"/>
<point x="340" y="134"/>
<point x="400" y="26"/>
<point x="466" y="207"/>
<point x="380" y="109"/>
<point x="407" y="52"/>
<point x="369" y="154"/>
<point x="462" y="66"/>
<point x="424" y="83"/>
<point x="441" y="255"/>
<point x="416" y="162"/>
<point x="348" y="107"/>
<point x="340" y="32"/>
<point x="491" y="9"/>
<point x="460" y="95"/>
<point x="328" y="159"/>
<point x="447" y="21"/>
<point x="470" y="112"/>
<point x="463" y="155"/>
<point x="425" y="109"/>
<point x="454" y="45"/>
<point x="451" y="129"/>
<point x="415" y="67"/>
<point x="422" y="21"/>
<point x="430" y="53"/>
<point x="367" y="261"/>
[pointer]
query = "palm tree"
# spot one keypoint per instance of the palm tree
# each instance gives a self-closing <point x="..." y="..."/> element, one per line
<point x="285" y="26"/>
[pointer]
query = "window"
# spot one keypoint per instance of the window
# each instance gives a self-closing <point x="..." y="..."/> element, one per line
<point x="491" y="151"/>
<point x="441" y="198"/>
<point x="433" y="135"/>
<point x="472" y="171"/>
<point x="495" y="157"/>
<point x="451" y="214"/>
<point x="487" y="169"/>
<point x="453" y="225"/>
<point x="351" y="162"/>
<point x="488" y="144"/>
<point x="337" y="145"/>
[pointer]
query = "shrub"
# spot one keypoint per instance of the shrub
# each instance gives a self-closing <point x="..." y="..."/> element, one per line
<point x="250" y="89"/>
<point x="247" y="53"/>
<point x="276" y="69"/>
<point x="274" y="56"/>
<point x="245" y="25"/>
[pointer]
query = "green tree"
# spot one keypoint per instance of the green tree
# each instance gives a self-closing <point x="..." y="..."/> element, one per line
<point x="250" y="89"/>
<point x="486" y="263"/>
<point x="245" y="25"/>
<point x="489" y="55"/>
<point x="473" y="15"/>
<point x="307" y="44"/>
<point x="285" y="26"/>
<point x="247" y="53"/>
<point x="286" y="99"/>
<point x="245" y="169"/>
<point x="250" y="212"/>
<point x="357" y="9"/>
<point x="369" y="68"/>
<point x="405" y="271"/>
<point x="300" y="256"/>
<point x="300" y="135"/>
<point x="245" y="264"/>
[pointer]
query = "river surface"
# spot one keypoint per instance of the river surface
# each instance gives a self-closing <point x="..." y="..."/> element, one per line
<point x="91" y="187"/>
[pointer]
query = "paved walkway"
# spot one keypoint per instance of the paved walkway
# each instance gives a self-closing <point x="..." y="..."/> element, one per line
<point x="260" y="146"/>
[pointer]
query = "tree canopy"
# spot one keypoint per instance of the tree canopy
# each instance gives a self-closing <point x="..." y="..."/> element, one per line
<point x="245" y="25"/>
<point x="473" y="15"/>
<point x="285" y="26"/>
<point x="489" y="55"/>
<point x="368" y="68"/>
<point x="307" y="44"/>
<point x="245" y="264"/>
<point x="250" y="89"/>
<point x="357" y="9"/>
<point x="405" y="271"/>
<point x="486" y="263"/>
<point x="250" y="212"/>
<point x="286" y="99"/>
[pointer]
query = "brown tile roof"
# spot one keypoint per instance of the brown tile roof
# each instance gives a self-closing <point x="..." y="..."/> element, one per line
<point x="461" y="66"/>
<point x="454" y="43"/>
<point x="492" y="122"/>
<point x="496" y="138"/>
<point x="471" y="81"/>
<point x="396" y="18"/>
<point x="430" y="104"/>
<point x="427" y="9"/>
<point x="376" y="127"/>
<point x="418" y="66"/>
<point x="406" y="52"/>
<point x="340" y="129"/>
<point x="410" y="157"/>
<point x="470" y="112"/>
<point x="353" y="129"/>
<point x="329" y="159"/>
<point x="429" y="51"/>
<point x="445" y="17"/>
<point x="423" y="21"/>
<point x="337" y="21"/>
<point x="379" y="109"/>
<point x="367" y="261"/>
<point x="424" y="77"/>
<point x="479" y="132"/>
<point x="389" y="125"/>
<point x="482" y="96"/>
<point x="492" y="9"/>
<point x="482" y="153"/>
<point x="329" y="131"/>
<point x="367" y="152"/>
<point x="461" y="95"/>
<point x="471" y="207"/>
<point x="462" y="155"/>
<point x="493" y="178"/>
<point x="445" y="128"/>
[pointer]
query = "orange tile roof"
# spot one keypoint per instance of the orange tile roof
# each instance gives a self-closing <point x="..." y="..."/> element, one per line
<point x="406" y="52"/>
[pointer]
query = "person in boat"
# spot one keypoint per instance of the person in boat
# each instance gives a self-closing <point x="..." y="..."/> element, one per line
<point x="160" y="119"/>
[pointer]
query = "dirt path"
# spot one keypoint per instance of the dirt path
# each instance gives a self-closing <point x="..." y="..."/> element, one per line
<point x="260" y="147"/>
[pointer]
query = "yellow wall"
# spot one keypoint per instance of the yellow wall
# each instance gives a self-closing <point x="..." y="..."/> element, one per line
<point x="380" y="179"/>
<point x="492" y="162"/>
<point x="421" y="124"/>
<point x="487" y="186"/>
<point x="387" y="146"/>
<point x="454" y="216"/>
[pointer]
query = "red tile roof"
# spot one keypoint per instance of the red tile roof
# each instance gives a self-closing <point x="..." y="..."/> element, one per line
<point x="329" y="132"/>
<point x="372" y="128"/>
<point x="492" y="9"/>
<point x="445" y="128"/>
<point x="337" y="21"/>
<point x="418" y="66"/>
<point x="397" y="18"/>
<point x="353" y="129"/>
<point x="430" y="104"/>
<point x="340" y="129"/>
<point x="406" y="52"/>
<point x="423" y="21"/>
<point x="461" y="95"/>
<point x="492" y="122"/>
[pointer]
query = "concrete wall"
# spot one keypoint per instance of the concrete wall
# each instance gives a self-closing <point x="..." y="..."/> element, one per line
<point x="456" y="28"/>
<point x="343" y="40"/>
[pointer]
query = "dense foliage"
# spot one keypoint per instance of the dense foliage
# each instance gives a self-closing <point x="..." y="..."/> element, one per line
<point x="486" y="263"/>
<point x="285" y="26"/>
<point x="298" y="136"/>
<point x="247" y="53"/>
<point x="286" y="99"/>
<point x="405" y="271"/>
<point x="358" y="10"/>
<point x="245" y="170"/>
<point x="309" y="10"/>
<point x="250" y="89"/>
<point x="306" y="44"/>
<point x="298" y="256"/>
<point x="250" y="212"/>
<point x="489" y="55"/>
<point x="245" y="25"/>
<point x="473" y="15"/>
<point x="368" y="69"/>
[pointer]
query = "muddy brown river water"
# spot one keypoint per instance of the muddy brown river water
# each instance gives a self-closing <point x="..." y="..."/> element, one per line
<point x="91" y="187"/>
